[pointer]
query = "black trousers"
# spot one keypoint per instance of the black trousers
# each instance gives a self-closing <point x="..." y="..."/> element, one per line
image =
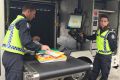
<point x="13" y="64"/>
<point x="101" y="63"/>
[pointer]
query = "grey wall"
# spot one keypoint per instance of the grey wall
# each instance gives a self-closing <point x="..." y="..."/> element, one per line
<point x="114" y="16"/>
<point x="67" y="7"/>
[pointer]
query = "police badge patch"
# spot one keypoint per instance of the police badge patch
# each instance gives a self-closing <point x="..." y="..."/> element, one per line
<point x="28" y="26"/>
<point x="113" y="36"/>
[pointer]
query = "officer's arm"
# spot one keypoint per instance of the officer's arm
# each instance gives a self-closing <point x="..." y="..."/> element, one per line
<point x="112" y="39"/>
<point x="92" y="37"/>
<point x="25" y="37"/>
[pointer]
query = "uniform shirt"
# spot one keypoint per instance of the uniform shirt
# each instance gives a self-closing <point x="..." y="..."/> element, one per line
<point x="112" y="39"/>
<point x="25" y="37"/>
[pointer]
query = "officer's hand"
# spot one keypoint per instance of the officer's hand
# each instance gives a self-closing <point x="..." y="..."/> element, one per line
<point x="45" y="47"/>
<point x="81" y="34"/>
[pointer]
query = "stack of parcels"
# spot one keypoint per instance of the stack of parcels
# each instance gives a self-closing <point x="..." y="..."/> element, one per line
<point x="50" y="56"/>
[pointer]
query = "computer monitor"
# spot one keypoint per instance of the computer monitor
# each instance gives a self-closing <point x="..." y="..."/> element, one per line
<point x="75" y="21"/>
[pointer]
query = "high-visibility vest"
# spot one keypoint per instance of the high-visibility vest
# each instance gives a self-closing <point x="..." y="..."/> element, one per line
<point x="102" y="43"/>
<point x="12" y="42"/>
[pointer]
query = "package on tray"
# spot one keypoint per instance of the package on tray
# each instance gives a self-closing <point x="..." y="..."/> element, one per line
<point x="50" y="56"/>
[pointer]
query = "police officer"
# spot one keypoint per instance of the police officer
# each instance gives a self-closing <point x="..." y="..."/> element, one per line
<point x="16" y="40"/>
<point x="106" y="44"/>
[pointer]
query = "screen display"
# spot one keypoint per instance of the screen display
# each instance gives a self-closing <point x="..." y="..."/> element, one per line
<point x="75" y="21"/>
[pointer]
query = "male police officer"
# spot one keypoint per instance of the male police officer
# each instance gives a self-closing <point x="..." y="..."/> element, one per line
<point x="106" y="44"/>
<point x="16" y="39"/>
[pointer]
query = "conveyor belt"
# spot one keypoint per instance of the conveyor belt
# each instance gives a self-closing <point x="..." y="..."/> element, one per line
<point x="57" y="69"/>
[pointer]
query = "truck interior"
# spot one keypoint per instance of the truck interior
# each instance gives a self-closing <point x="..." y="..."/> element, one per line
<point x="54" y="27"/>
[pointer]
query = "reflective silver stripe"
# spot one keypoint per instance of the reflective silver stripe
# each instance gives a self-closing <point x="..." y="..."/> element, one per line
<point x="11" y="27"/>
<point x="104" y="51"/>
<point x="105" y="40"/>
<point x="13" y="47"/>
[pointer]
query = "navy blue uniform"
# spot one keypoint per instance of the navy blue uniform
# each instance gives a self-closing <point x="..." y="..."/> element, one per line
<point x="13" y="62"/>
<point x="103" y="62"/>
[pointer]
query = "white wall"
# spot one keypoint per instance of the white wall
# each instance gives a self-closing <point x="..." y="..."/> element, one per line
<point x="1" y="34"/>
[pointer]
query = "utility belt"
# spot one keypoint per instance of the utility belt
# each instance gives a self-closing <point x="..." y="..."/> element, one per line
<point x="12" y="53"/>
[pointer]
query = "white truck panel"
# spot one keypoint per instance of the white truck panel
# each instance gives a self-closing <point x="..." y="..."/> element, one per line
<point x="2" y="27"/>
